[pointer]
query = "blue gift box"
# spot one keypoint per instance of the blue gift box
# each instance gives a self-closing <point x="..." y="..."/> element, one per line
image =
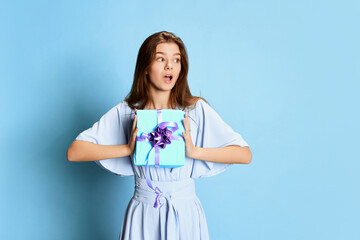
<point x="153" y="144"/>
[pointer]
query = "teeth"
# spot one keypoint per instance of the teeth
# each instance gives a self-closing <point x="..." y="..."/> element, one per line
<point x="169" y="76"/>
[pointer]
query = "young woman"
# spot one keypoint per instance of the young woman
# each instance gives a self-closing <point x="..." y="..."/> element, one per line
<point x="160" y="82"/>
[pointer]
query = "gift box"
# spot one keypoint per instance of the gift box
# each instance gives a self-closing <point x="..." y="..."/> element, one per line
<point x="159" y="140"/>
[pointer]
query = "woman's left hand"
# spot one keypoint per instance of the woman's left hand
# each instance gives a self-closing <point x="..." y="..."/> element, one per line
<point x="189" y="146"/>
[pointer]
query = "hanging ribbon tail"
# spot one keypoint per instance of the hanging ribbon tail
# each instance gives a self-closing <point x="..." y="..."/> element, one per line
<point x="157" y="203"/>
<point x="159" y="193"/>
<point x="147" y="169"/>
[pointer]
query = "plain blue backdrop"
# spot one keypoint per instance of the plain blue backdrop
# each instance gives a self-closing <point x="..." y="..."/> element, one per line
<point x="284" y="74"/>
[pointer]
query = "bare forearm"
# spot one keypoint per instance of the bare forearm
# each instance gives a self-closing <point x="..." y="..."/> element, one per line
<point x="88" y="151"/>
<point x="228" y="154"/>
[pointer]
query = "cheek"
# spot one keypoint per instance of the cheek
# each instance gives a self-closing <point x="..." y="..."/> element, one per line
<point x="154" y="71"/>
<point x="178" y="68"/>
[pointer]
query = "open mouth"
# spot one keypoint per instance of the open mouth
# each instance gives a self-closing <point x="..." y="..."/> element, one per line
<point x="169" y="77"/>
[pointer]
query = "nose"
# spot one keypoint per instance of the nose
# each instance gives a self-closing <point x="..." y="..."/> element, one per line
<point x="168" y="65"/>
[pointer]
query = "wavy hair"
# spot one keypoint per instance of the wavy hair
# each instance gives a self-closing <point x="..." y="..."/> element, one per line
<point x="180" y="95"/>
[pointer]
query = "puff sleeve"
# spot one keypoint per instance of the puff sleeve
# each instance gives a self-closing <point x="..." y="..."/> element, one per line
<point x="109" y="130"/>
<point x="213" y="132"/>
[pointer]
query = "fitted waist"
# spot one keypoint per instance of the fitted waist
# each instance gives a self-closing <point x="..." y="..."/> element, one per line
<point x="172" y="190"/>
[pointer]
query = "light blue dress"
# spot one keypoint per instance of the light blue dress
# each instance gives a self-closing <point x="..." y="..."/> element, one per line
<point x="181" y="216"/>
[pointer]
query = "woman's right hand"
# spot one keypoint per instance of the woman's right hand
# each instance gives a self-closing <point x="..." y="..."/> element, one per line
<point x="134" y="130"/>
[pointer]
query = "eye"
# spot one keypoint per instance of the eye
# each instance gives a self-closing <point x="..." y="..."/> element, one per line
<point x="160" y="59"/>
<point x="177" y="60"/>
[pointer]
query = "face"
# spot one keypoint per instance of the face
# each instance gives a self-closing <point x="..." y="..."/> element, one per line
<point x="165" y="68"/>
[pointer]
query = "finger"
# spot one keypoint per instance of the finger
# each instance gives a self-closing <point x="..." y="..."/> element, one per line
<point x="187" y="123"/>
<point x="134" y="122"/>
<point x="134" y="135"/>
<point x="184" y="135"/>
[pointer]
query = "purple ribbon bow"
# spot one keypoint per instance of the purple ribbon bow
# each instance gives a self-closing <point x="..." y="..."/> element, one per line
<point x="158" y="138"/>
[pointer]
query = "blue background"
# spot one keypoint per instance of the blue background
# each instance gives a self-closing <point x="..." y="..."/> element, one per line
<point x="284" y="74"/>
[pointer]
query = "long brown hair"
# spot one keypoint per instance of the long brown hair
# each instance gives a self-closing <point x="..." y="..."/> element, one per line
<point x="180" y="94"/>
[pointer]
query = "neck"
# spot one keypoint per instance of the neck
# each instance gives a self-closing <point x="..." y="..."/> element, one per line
<point x="159" y="100"/>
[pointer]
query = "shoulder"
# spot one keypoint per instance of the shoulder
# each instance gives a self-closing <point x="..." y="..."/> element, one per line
<point x="197" y="104"/>
<point x="122" y="109"/>
<point x="125" y="109"/>
<point x="203" y="110"/>
<point x="203" y="106"/>
<point x="194" y="100"/>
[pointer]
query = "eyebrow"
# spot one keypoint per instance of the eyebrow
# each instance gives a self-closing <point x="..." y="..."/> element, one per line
<point x="165" y="54"/>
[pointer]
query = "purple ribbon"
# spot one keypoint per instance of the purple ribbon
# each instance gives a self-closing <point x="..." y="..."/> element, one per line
<point x="158" y="139"/>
